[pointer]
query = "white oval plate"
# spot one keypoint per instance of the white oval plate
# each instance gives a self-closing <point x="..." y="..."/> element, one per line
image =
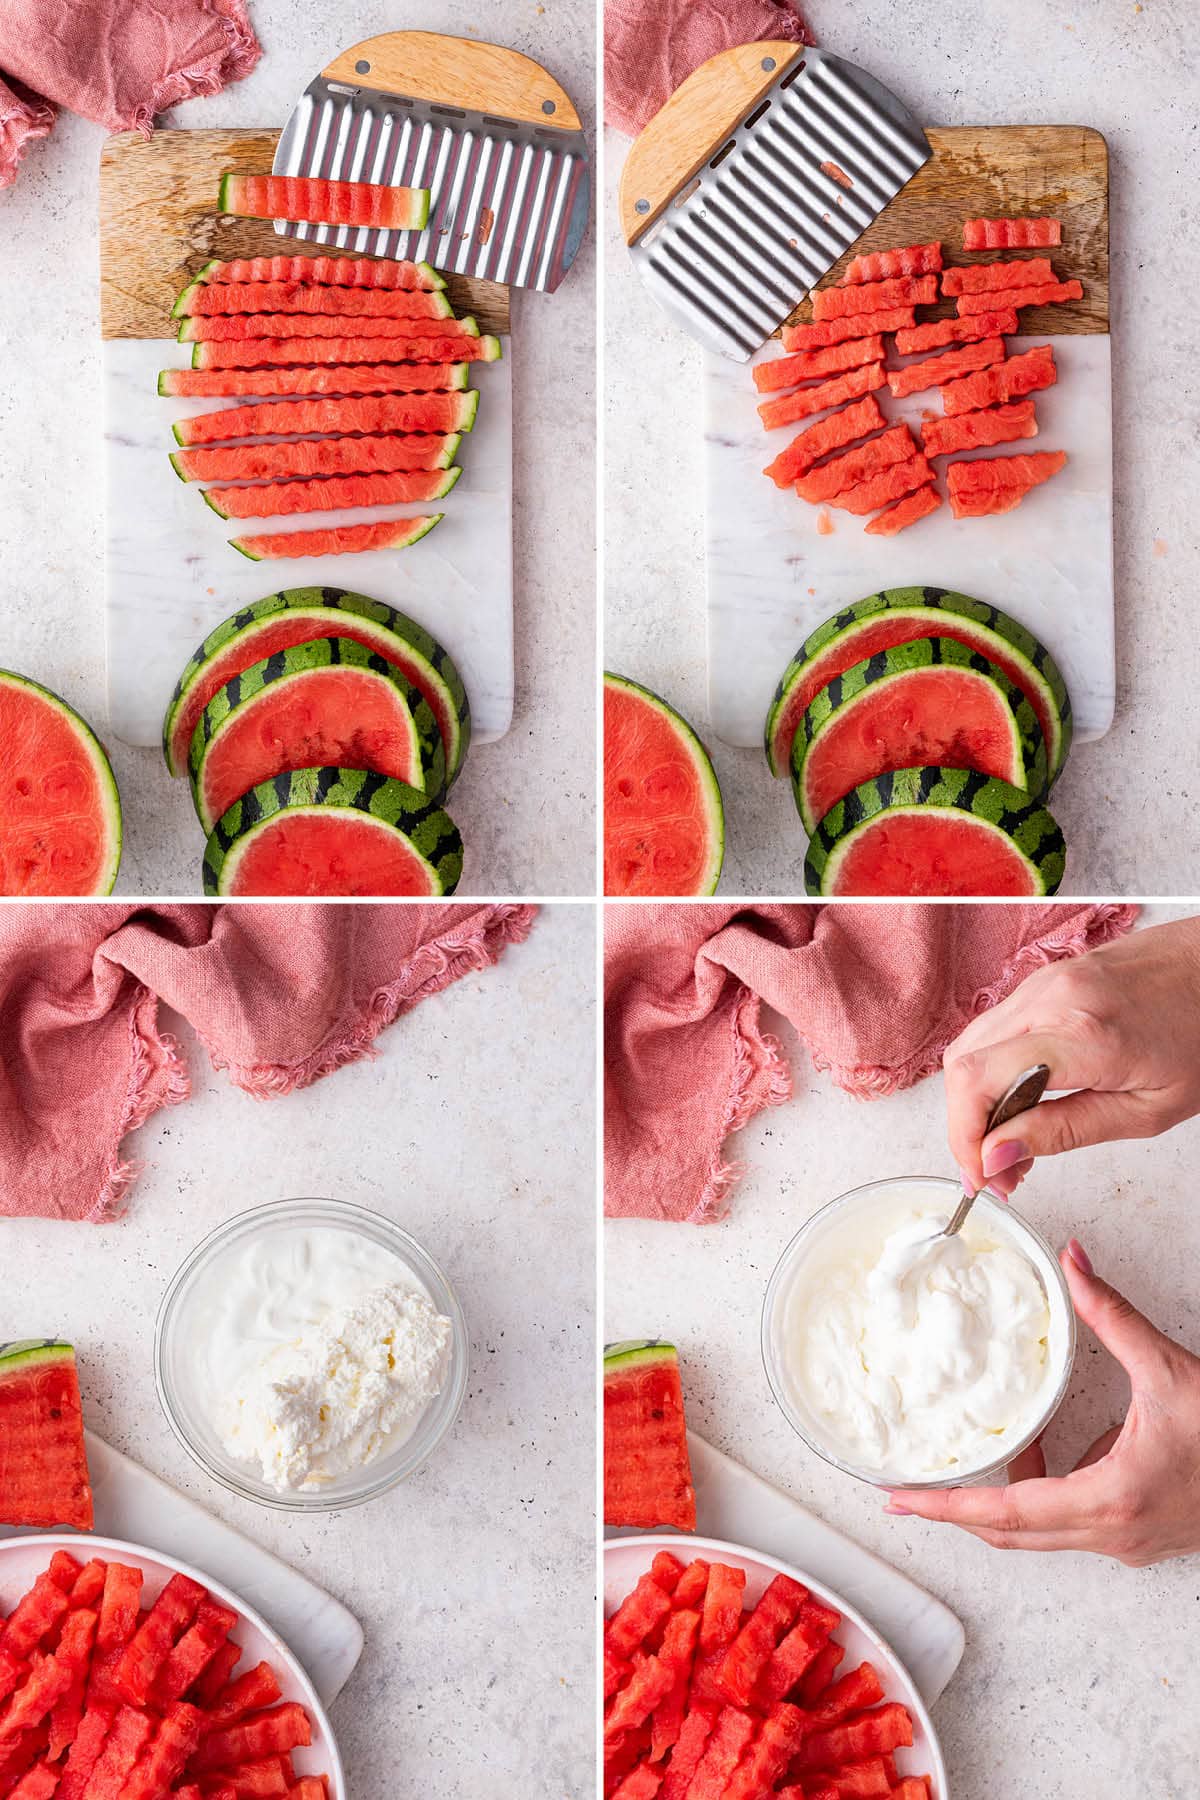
<point x="625" y="1559"/>
<point x="22" y="1560"/>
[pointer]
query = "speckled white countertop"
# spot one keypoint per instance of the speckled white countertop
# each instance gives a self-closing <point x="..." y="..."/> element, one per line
<point x="1079" y="1676"/>
<point x="525" y="808"/>
<point x="1131" y="71"/>
<point x="474" y="1580"/>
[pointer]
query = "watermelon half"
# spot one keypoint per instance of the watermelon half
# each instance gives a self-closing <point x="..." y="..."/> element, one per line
<point x="297" y="615"/>
<point x="332" y="832"/>
<point x="310" y="200"/>
<point x="897" y="616"/>
<point x="60" y="813"/>
<point x="932" y="701"/>
<point x="43" y="1465"/>
<point x="647" y="1474"/>
<point x="327" y="702"/>
<point x="664" y="824"/>
<point x="935" y="833"/>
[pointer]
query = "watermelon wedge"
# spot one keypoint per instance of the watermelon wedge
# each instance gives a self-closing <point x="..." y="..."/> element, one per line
<point x="242" y="328"/>
<point x="202" y="300"/>
<point x="874" y="296"/>
<point x="788" y="408"/>
<point x="815" y="441"/>
<point x="934" y="834"/>
<point x="941" y="332"/>
<point x="327" y="702"/>
<point x="1011" y="234"/>
<point x="836" y="331"/>
<point x="647" y="1474"/>
<point x="997" y="484"/>
<point x="804" y="365"/>
<point x="664" y="825"/>
<point x="853" y="466"/>
<point x="975" y="430"/>
<point x="263" y="353"/>
<point x="296" y="616"/>
<point x="898" y="616"/>
<point x="931" y="701"/>
<point x="276" y="498"/>
<point x="387" y="453"/>
<point x="333" y="832"/>
<point x="308" y="200"/>
<point x="337" y="540"/>
<point x="1010" y="380"/>
<point x="335" y="271"/>
<point x="936" y="371"/>
<point x="60" y="813"/>
<point x="984" y="278"/>
<point x="365" y="378"/>
<point x="1052" y="293"/>
<point x="883" y="265"/>
<point x="438" y="413"/>
<point x="904" y="512"/>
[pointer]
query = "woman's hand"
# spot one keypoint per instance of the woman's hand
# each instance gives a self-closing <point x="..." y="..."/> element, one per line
<point x="1135" y="1495"/>
<point x="1120" y="1026"/>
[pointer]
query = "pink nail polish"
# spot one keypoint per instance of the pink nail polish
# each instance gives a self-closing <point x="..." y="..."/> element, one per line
<point x="900" y="1512"/>
<point x="967" y="1183"/>
<point x="1003" y="1156"/>
<point x="1079" y="1256"/>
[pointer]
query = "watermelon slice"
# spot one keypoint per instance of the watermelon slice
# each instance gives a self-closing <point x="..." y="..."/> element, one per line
<point x="1052" y="293"/>
<point x="338" y="540"/>
<point x="200" y="300"/>
<point x="664" y="824"/>
<point x="975" y="430"/>
<point x="251" y="1692"/>
<point x="249" y="328"/>
<point x="874" y="296"/>
<point x="367" y="378"/>
<point x="336" y="271"/>
<point x="263" y="1734"/>
<point x="935" y="833"/>
<point x="897" y="616"/>
<point x="984" y="278"/>
<point x="889" y="484"/>
<point x="955" y="331"/>
<point x="936" y="371"/>
<point x="647" y="1475"/>
<point x="1010" y="380"/>
<point x="837" y="331"/>
<point x="327" y="702"/>
<point x="275" y="499"/>
<point x="297" y="615"/>
<point x="804" y="365"/>
<point x="931" y="701"/>
<point x="43" y="1465"/>
<point x="308" y="200"/>
<point x="262" y="353"/>
<point x="815" y="441"/>
<point x="853" y="466"/>
<point x="1011" y="234"/>
<point x="789" y="407"/>
<point x="60" y="813"/>
<point x="883" y="265"/>
<point x="997" y="484"/>
<point x="441" y="414"/>
<point x="387" y="453"/>
<point x="327" y="832"/>
<point x="904" y="512"/>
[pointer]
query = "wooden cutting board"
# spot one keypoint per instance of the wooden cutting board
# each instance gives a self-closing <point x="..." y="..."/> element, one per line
<point x="773" y="576"/>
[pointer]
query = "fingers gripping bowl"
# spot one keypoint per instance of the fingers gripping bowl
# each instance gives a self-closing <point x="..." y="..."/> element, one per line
<point x="909" y="1360"/>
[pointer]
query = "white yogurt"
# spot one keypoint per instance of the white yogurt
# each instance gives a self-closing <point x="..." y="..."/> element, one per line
<point x="915" y="1356"/>
<point x="319" y="1352"/>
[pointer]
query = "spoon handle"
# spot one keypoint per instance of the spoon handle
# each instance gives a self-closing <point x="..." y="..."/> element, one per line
<point x="1018" y="1097"/>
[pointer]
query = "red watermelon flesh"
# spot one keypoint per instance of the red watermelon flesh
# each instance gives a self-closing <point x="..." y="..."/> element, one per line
<point x="1051" y="293"/>
<point x="836" y="331"/>
<point x="955" y="331"/>
<point x="942" y="717"/>
<point x="1011" y="234"/>
<point x="985" y="278"/>
<point x="298" y="854"/>
<point x="815" y="441"/>
<point x="316" y="456"/>
<point x="338" y="271"/>
<point x="439" y="413"/>
<point x="935" y="371"/>
<point x="43" y="1467"/>
<point x="904" y="513"/>
<point x="805" y="365"/>
<point x="257" y="353"/>
<point x="647" y="1475"/>
<point x="277" y="499"/>
<point x="788" y="408"/>
<point x="997" y="484"/>
<point x="299" y="297"/>
<point x="315" y="201"/>
<point x="60" y="819"/>
<point x="1008" y="380"/>
<point x="242" y="328"/>
<point x="663" y="821"/>
<point x="874" y="296"/>
<point x="367" y="378"/>
<point x="883" y="265"/>
<point x="338" y="540"/>
<point x="935" y="854"/>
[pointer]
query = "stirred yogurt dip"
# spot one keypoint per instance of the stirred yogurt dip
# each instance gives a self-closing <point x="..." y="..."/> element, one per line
<point x="320" y="1352"/>
<point x="912" y="1356"/>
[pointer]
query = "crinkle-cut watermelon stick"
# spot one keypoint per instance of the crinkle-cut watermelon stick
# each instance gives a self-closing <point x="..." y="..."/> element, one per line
<point x="240" y="328"/>
<point x="381" y="378"/>
<point x="788" y="408"/>
<point x="264" y="1734"/>
<point x="305" y="457"/>
<point x="838" y="331"/>
<point x="38" y="1784"/>
<point x="890" y="484"/>
<point x="215" y="1680"/>
<point x="440" y="413"/>
<point x="131" y="1731"/>
<point x="1009" y="380"/>
<point x="997" y="484"/>
<point x="975" y="430"/>
<point x="84" y="1755"/>
<point x="251" y="1692"/>
<point x="983" y="278"/>
<point x="326" y="271"/>
<point x="74" y="1653"/>
<point x="874" y="296"/>
<point x="786" y="371"/>
<point x="310" y="200"/>
<point x="821" y="1671"/>
<point x="752" y="1648"/>
<point x="201" y="300"/>
<point x="277" y="499"/>
<point x="883" y="265"/>
<point x="1011" y="234"/>
<point x="887" y="1728"/>
<point x="856" y="465"/>
<point x="730" y="1738"/>
<point x="341" y="540"/>
<point x="904" y="513"/>
<point x="940" y="332"/>
<point x="156" y="1635"/>
<point x="951" y="365"/>
<point x="166" y="1757"/>
<point x="1054" y="293"/>
<point x="815" y="441"/>
<point x="193" y="1653"/>
<point x="258" y="353"/>
<point x="641" y="1783"/>
<point x="34" y="1616"/>
<point x="49" y="1678"/>
<point x="119" y="1605"/>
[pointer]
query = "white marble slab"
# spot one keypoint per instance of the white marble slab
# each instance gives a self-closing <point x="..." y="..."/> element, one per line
<point x="172" y="575"/>
<point x="772" y="577"/>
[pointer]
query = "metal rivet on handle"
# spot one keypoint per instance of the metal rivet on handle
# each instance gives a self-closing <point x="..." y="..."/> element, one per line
<point x="768" y="63"/>
<point x="548" y="106"/>
<point x="362" y="68"/>
<point x="641" y="206"/>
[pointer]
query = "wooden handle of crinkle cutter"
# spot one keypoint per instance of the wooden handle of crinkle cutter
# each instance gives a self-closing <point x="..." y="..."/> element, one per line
<point x="450" y="71"/>
<point x="693" y="125"/>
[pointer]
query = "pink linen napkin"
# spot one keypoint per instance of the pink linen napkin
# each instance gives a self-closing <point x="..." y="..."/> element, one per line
<point x="118" y="62"/>
<point x="278" y="995"/>
<point x="651" y="46"/>
<point x="876" y="993"/>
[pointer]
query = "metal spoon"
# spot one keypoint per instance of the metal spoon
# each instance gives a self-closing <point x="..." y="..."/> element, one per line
<point x="1019" y="1097"/>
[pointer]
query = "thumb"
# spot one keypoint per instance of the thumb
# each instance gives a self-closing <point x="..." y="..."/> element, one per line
<point x="1090" y="1116"/>
<point x="1140" y="1348"/>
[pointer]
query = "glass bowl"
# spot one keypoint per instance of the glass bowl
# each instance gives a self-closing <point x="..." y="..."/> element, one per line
<point x="872" y="1199"/>
<point x="178" y="1372"/>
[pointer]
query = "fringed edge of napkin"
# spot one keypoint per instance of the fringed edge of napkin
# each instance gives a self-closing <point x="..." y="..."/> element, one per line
<point x="23" y="119"/>
<point x="236" y="57"/>
<point x="158" y="1078"/>
<point x="760" y="1077"/>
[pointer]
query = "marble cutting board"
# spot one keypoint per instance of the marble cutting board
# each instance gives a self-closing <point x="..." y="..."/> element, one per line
<point x="134" y="1505"/>
<point x="772" y="577"/>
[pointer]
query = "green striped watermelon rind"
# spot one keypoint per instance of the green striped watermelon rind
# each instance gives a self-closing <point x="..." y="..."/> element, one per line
<point x="325" y="603"/>
<point x="24" y="1353"/>
<point x="1020" y="644"/>
<point x="448" y="477"/>
<point x="110" y="796"/>
<point x="290" y="665"/>
<point x="854" y="686"/>
<point x="1025" y="824"/>
<point x="431" y="832"/>
<point x="635" y="1352"/>
<point x="403" y="539"/>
